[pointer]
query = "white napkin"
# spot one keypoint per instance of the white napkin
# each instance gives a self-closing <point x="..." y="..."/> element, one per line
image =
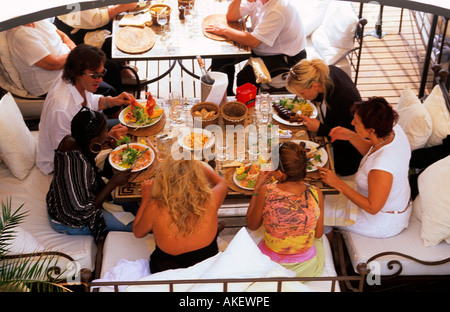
<point x="141" y="20"/>
<point x="218" y="91"/>
<point x="118" y="212"/>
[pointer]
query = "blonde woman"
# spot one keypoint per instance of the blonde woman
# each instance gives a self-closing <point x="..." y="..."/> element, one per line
<point x="180" y="207"/>
<point x="335" y="93"/>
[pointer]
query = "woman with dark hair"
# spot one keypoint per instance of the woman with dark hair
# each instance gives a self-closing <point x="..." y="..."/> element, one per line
<point x="77" y="191"/>
<point x="292" y="214"/>
<point x="382" y="191"/>
<point x="83" y="72"/>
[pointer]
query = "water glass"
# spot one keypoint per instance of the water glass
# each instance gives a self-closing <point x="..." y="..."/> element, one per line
<point x="164" y="146"/>
<point x="264" y="106"/>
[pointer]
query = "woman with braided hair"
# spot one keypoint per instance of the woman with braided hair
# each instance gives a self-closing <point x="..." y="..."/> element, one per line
<point x="292" y="214"/>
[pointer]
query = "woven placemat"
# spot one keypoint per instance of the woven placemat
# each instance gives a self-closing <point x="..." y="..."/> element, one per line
<point x="135" y="40"/>
<point x="150" y="130"/>
<point x="218" y="19"/>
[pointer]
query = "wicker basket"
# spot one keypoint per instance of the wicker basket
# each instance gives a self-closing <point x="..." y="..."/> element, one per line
<point x="155" y="17"/>
<point x="185" y="3"/>
<point x="234" y="113"/>
<point x="209" y="107"/>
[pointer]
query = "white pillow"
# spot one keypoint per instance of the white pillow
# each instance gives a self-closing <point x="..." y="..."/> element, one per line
<point x="17" y="144"/>
<point x="414" y="119"/>
<point x="23" y="242"/>
<point x="335" y="35"/>
<point x="432" y="205"/>
<point x="440" y="115"/>
<point x="311" y="13"/>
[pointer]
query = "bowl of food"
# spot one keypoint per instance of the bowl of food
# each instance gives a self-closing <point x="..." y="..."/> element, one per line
<point x="234" y="113"/>
<point x="208" y="112"/>
<point x="197" y="139"/>
<point x="159" y="8"/>
<point x="131" y="155"/>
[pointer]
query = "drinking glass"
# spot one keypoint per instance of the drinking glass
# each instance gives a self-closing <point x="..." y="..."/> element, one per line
<point x="221" y="149"/>
<point x="176" y="109"/>
<point x="264" y="106"/>
<point x="162" y="19"/>
<point x="164" y="146"/>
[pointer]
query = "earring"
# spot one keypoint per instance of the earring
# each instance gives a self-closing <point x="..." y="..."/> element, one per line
<point x="95" y="147"/>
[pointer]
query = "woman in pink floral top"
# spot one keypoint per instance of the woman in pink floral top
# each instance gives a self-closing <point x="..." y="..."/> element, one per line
<point x="292" y="214"/>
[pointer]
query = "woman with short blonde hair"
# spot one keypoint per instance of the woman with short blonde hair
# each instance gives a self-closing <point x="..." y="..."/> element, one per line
<point x="334" y="92"/>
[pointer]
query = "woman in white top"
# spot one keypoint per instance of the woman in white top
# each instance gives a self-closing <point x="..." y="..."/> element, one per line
<point x="82" y="75"/>
<point x="382" y="190"/>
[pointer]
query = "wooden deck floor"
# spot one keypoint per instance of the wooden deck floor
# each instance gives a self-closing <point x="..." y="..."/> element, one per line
<point x="387" y="64"/>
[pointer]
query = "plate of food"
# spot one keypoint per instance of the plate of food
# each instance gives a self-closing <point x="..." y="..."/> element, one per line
<point x="139" y="115"/>
<point x="318" y="158"/>
<point x="246" y="175"/>
<point x="287" y="111"/>
<point x="136" y="155"/>
<point x="196" y="140"/>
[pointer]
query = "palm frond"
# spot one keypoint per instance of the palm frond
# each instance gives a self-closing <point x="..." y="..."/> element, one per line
<point x="25" y="272"/>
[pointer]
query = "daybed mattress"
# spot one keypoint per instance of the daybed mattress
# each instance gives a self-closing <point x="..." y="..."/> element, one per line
<point x="408" y="242"/>
<point x="120" y="246"/>
<point x="32" y="192"/>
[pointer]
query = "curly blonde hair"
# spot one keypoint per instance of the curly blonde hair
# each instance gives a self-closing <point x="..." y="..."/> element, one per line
<point x="306" y="72"/>
<point x="182" y="187"/>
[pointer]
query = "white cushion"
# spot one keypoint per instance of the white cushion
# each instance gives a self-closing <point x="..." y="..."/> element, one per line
<point x="17" y="145"/>
<point x="414" y="119"/>
<point x="9" y="76"/>
<point x="334" y="37"/>
<point x="408" y="242"/>
<point x="32" y="193"/>
<point x="432" y="205"/>
<point x="311" y="13"/>
<point x="440" y="115"/>
<point x="23" y="242"/>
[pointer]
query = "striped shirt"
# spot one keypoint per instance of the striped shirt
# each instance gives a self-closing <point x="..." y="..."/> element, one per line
<point x="71" y="197"/>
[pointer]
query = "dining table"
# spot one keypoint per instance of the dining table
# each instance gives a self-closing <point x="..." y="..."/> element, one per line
<point x="148" y="136"/>
<point x="183" y="37"/>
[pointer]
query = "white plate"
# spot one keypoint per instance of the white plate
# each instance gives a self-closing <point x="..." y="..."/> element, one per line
<point x="323" y="154"/>
<point x="118" y="167"/>
<point x="236" y="181"/>
<point x="288" y="123"/>
<point x="132" y="124"/>
<point x="197" y="131"/>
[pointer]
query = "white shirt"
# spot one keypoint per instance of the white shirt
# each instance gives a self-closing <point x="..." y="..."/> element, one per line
<point x="87" y="19"/>
<point x="28" y="45"/>
<point x="277" y="24"/>
<point x="62" y="103"/>
<point x="393" y="158"/>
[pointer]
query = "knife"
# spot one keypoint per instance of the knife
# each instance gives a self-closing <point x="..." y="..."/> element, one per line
<point x="139" y="157"/>
<point x="312" y="151"/>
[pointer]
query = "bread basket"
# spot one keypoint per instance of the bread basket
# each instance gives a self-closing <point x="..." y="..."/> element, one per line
<point x="209" y="107"/>
<point x="234" y="113"/>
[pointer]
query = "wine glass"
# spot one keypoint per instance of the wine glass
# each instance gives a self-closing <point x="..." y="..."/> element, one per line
<point x="162" y="19"/>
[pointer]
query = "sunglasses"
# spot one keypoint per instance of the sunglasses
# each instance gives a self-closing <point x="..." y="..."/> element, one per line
<point x="96" y="75"/>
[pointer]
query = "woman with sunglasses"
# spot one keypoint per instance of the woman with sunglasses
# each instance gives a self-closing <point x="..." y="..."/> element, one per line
<point x="292" y="214"/>
<point x="77" y="191"/>
<point x="83" y="72"/>
<point x="335" y="92"/>
<point x="382" y="191"/>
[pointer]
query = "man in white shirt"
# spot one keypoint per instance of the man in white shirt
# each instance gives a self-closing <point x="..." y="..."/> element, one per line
<point x="277" y="36"/>
<point x="38" y="51"/>
<point x="81" y="77"/>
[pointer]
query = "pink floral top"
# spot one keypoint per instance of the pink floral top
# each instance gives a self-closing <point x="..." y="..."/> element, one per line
<point x="290" y="221"/>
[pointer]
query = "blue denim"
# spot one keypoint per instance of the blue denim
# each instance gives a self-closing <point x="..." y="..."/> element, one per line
<point x="112" y="224"/>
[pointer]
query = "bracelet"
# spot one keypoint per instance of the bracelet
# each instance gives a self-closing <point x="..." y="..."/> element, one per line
<point x="255" y="194"/>
<point x="105" y="102"/>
